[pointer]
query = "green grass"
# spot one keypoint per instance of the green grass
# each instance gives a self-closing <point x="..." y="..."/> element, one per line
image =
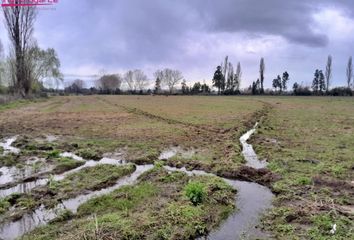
<point x="63" y="164"/>
<point x="155" y="208"/>
<point x="313" y="140"/>
<point x="14" y="104"/>
<point x="306" y="140"/>
<point x="89" y="178"/>
<point x="195" y="191"/>
<point x="50" y="195"/>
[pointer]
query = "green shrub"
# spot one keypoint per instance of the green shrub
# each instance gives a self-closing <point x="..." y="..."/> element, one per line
<point x="303" y="181"/>
<point x="65" y="164"/>
<point x="54" y="154"/>
<point x="4" y="205"/>
<point x="195" y="191"/>
<point x="87" y="153"/>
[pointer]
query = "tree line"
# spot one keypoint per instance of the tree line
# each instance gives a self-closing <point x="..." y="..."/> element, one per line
<point x="227" y="82"/>
<point x="26" y="67"/>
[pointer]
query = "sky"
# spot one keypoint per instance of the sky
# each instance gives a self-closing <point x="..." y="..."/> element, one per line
<point x="194" y="36"/>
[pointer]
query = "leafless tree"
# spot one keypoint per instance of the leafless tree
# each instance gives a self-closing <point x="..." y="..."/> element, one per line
<point x="169" y="77"/>
<point x="136" y="80"/>
<point x="2" y="64"/>
<point x="261" y="73"/>
<point x="141" y="80"/>
<point x="225" y="72"/>
<point x="19" y="21"/>
<point x="350" y="71"/>
<point x="110" y="82"/>
<point x="129" y="80"/>
<point x="328" y="73"/>
<point x="238" y="76"/>
<point x="1" y="51"/>
<point x="78" y="83"/>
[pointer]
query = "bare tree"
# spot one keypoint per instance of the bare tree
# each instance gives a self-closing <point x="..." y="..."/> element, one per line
<point x="109" y="82"/>
<point x="169" y="77"/>
<point x="129" y="80"/>
<point x="19" y="21"/>
<point x="328" y="73"/>
<point x="78" y="83"/>
<point x="1" y="51"/>
<point x="261" y="74"/>
<point x="136" y="80"/>
<point x="238" y="76"/>
<point x="2" y="64"/>
<point x="141" y="80"/>
<point x="230" y="78"/>
<point x="225" y="72"/>
<point x="350" y="71"/>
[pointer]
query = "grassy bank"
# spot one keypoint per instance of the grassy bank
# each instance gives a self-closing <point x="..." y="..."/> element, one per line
<point x="161" y="205"/>
<point x="309" y="143"/>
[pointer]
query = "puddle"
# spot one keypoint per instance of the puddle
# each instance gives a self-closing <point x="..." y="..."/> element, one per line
<point x="42" y="216"/>
<point x="51" y="138"/>
<point x="6" y="145"/>
<point x="9" y="174"/>
<point x="252" y="200"/>
<point x="47" y="138"/>
<point x="248" y="151"/>
<point x="173" y="151"/>
<point x="22" y="187"/>
<point x="71" y="155"/>
<point x="74" y="203"/>
<point x="13" y="174"/>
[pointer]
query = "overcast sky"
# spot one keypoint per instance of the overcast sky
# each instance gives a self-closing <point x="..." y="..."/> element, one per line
<point x="194" y="36"/>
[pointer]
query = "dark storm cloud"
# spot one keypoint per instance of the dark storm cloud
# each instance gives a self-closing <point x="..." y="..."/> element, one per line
<point x="289" y="19"/>
<point x="138" y="33"/>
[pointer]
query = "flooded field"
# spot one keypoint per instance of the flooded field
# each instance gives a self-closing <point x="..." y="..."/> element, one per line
<point x="72" y="165"/>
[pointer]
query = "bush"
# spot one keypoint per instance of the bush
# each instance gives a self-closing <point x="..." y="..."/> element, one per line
<point x="302" y="91"/>
<point x="65" y="164"/>
<point x="91" y="154"/>
<point x="303" y="181"/>
<point x="195" y="191"/>
<point x="54" y="154"/>
<point x="341" y="91"/>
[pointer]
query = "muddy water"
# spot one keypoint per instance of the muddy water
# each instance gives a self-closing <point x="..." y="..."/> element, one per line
<point x="13" y="174"/>
<point x="42" y="215"/>
<point x="173" y="151"/>
<point x="10" y="173"/>
<point x="22" y="187"/>
<point x="71" y="155"/>
<point x="252" y="200"/>
<point x="6" y="145"/>
<point x="248" y="152"/>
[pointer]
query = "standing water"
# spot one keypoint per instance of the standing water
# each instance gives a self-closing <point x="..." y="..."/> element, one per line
<point x="248" y="152"/>
<point x="6" y="145"/>
<point x="252" y="200"/>
<point x="42" y="216"/>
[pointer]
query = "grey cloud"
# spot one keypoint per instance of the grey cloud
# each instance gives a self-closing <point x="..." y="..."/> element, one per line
<point x="125" y="34"/>
<point x="290" y="19"/>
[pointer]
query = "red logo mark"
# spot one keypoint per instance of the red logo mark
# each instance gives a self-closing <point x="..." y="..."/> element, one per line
<point x="26" y="3"/>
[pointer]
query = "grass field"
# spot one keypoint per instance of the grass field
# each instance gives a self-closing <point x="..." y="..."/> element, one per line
<point x="308" y="142"/>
